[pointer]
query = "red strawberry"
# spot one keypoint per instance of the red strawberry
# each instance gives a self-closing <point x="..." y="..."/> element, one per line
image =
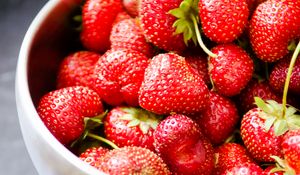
<point x="245" y="169"/>
<point x="223" y="20"/>
<point x="93" y="155"/>
<point x="278" y="76"/>
<point x="171" y="85"/>
<point x="274" y="24"/>
<point x="132" y="7"/>
<point x="179" y="142"/>
<point x="268" y="170"/>
<point x="200" y="64"/>
<point x="63" y="111"/>
<point x="127" y="34"/>
<point x="97" y="24"/>
<point x="77" y="69"/>
<point x="230" y="155"/>
<point x="260" y="142"/>
<point x="127" y="126"/>
<point x="157" y="22"/>
<point x="119" y="74"/>
<point x="231" y="70"/>
<point x="256" y="88"/>
<point x="132" y="160"/>
<point x="291" y="149"/>
<point x="218" y="120"/>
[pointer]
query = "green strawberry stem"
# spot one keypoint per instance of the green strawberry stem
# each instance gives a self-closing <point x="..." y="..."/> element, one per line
<point x="110" y="143"/>
<point x="199" y="38"/>
<point x="288" y="78"/>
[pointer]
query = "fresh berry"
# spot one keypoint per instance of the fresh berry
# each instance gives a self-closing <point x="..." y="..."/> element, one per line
<point x="223" y="20"/>
<point x="230" y="155"/>
<point x="171" y="85"/>
<point x="260" y="142"/>
<point x="219" y="118"/>
<point x="255" y="88"/>
<point x="93" y="155"/>
<point x="77" y="69"/>
<point x="119" y="74"/>
<point x="180" y="143"/>
<point x="157" y="22"/>
<point x="274" y="24"/>
<point x="63" y="111"/>
<point x="127" y="34"/>
<point x="132" y="7"/>
<point x="278" y="76"/>
<point x="231" y="70"/>
<point x="132" y="160"/>
<point x="245" y="169"/>
<point x="97" y="24"/>
<point x="291" y="149"/>
<point x="128" y="126"/>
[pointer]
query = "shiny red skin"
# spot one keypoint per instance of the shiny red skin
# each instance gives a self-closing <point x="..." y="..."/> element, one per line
<point x="223" y="21"/>
<point x="256" y="88"/>
<point x="156" y="22"/>
<point x="231" y="70"/>
<point x="119" y="74"/>
<point x="230" y="155"/>
<point x="259" y="143"/>
<point x="245" y="169"/>
<point x="219" y="118"/>
<point x="180" y="143"/>
<point x="127" y="34"/>
<point x="97" y="25"/>
<point x="171" y="85"/>
<point x="268" y="169"/>
<point x="278" y="76"/>
<point x="291" y="149"/>
<point x="93" y="155"/>
<point x="200" y="64"/>
<point x="63" y="111"/>
<point x="117" y="131"/>
<point x="132" y="160"/>
<point x="273" y="25"/>
<point x="77" y="69"/>
<point x="132" y="7"/>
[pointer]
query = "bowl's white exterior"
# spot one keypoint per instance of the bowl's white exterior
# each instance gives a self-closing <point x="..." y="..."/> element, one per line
<point x="48" y="155"/>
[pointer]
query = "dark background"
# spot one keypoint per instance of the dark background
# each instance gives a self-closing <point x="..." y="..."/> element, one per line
<point x="15" y="18"/>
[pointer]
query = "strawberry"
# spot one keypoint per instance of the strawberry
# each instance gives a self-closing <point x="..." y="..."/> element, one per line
<point x="200" y="64"/>
<point x="255" y="88"/>
<point x="274" y="24"/>
<point x="180" y="143"/>
<point x="171" y="85"/>
<point x="119" y="74"/>
<point x="132" y="160"/>
<point x="218" y="120"/>
<point x="223" y="20"/>
<point x="268" y="171"/>
<point x="245" y="169"/>
<point x="128" y="126"/>
<point x="63" y="111"/>
<point x="97" y="25"/>
<point x="132" y="7"/>
<point x="231" y="70"/>
<point x="127" y="34"/>
<point x="93" y="155"/>
<point x="291" y="149"/>
<point x="261" y="142"/>
<point x="77" y="69"/>
<point x="278" y="76"/>
<point x="157" y="22"/>
<point x="230" y="155"/>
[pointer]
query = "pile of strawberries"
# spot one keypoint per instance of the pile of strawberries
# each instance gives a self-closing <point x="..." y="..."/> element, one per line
<point x="182" y="87"/>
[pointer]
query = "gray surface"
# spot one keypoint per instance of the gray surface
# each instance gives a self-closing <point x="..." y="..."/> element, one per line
<point x="15" y="17"/>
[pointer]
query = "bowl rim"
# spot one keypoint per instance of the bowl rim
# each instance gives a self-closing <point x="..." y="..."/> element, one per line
<point x="26" y="100"/>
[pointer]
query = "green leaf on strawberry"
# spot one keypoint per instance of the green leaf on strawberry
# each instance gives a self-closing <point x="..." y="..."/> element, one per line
<point x="282" y="165"/>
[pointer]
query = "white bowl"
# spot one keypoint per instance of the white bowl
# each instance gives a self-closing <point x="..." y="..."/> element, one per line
<point x="46" y="42"/>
